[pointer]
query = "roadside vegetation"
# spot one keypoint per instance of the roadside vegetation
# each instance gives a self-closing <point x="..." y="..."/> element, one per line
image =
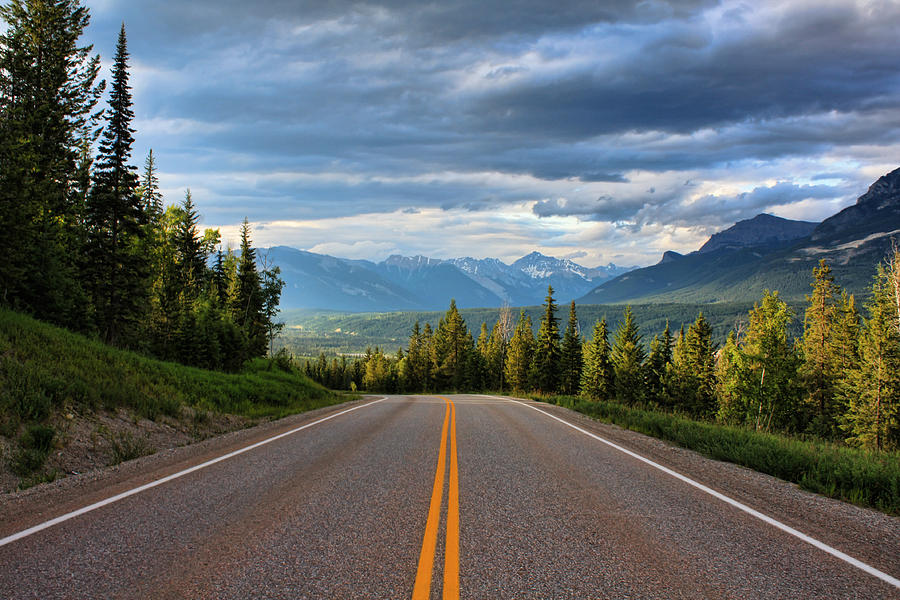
<point x="832" y="469"/>
<point x="46" y="372"/>
<point x="821" y="408"/>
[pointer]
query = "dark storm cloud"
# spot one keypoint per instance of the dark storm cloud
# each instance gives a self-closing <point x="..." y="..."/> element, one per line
<point x="557" y="91"/>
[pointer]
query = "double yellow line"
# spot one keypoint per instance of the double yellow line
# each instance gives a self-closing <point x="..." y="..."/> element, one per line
<point x="422" y="588"/>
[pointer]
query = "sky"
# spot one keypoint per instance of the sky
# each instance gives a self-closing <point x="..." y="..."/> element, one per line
<point x="599" y="130"/>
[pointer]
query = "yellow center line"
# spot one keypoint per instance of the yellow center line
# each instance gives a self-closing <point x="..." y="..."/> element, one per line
<point x="451" y="557"/>
<point x="422" y="588"/>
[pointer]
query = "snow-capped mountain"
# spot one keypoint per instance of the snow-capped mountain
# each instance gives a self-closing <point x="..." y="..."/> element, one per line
<point x="420" y="282"/>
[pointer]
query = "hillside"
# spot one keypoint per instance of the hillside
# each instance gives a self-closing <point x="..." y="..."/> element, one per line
<point x="79" y="404"/>
<point x="752" y="256"/>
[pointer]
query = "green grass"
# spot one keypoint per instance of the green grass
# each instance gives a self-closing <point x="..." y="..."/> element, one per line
<point x="44" y="369"/>
<point x="858" y="476"/>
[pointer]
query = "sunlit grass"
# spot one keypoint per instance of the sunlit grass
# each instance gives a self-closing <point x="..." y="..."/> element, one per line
<point x="865" y="478"/>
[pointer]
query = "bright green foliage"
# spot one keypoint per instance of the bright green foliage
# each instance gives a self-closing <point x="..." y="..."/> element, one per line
<point x="117" y="271"/>
<point x="872" y="390"/>
<point x="545" y="367"/>
<point x="495" y="356"/>
<point x="418" y="359"/>
<point x="519" y="355"/>
<point x="381" y="372"/>
<point x="571" y="359"/>
<point x="627" y="357"/>
<point x="821" y="366"/>
<point x="452" y="345"/>
<point x="597" y="377"/>
<point x="691" y="375"/>
<point x="47" y="95"/>
<point x="761" y="381"/>
<point x="657" y="362"/>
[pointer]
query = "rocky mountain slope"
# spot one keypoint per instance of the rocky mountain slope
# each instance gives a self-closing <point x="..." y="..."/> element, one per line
<point x="736" y="265"/>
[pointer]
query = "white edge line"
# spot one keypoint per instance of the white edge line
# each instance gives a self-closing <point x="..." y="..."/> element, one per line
<point x="787" y="529"/>
<point x="152" y="484"/>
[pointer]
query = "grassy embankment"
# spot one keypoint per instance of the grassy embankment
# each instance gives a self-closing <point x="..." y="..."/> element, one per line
<point x="46" y="371"/>
<point x="853" y="475"/>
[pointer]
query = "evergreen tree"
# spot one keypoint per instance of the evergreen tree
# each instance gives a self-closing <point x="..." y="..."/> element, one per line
<point x="819" y="369"/>
<point x="148" y="190"/>
<point x="691" y="377"/>
<point x="598" y="378"/>
<point x="873" y="388"/>
<point x="272" y="284"/>
<point x="246" y="297"/>
<point x="657" y="362"/>
<point x="417" y="357"/>
<point x="117" y="270"/>
<point x="520" y="353"/>
<point x="762" y="381"/>
<point x="571" y="357"/>
<point x="189" y="252"/>
<point x="496" y="352"/>
<point x="450" y="348"/>
<point x="546" y="361"/>
<point x="732" y="407"/>
<point x="47" y="97"/>
<point x="627" y="357"/>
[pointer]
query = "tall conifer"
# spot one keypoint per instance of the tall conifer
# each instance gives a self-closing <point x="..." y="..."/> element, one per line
<point x="627" y="356"/>
<point x="546" y="360"/>
<point x="117" y="270"/>
<point x="597" y="379"/>
<point x="571" y="357"/>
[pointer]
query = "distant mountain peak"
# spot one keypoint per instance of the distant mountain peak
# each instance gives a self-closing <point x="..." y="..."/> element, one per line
<point x="669" y="256"/>
<point x="876" y="211"/>
<point x="762" y="230"/>
<point x="884" y="192"/>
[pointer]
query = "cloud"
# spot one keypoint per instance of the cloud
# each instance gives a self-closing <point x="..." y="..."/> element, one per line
<point x="573" y="113"/>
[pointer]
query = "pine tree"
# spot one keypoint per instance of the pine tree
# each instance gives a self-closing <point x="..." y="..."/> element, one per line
<point x="819" y="369"/>
<point x="873" y="388"/>
<point x="627" y="357"/>
<point x="657" y="362"/>
<point x="246" y="297"/>
<point x="498" y="345"/>
<point x="571" y="357"/>
<point x="47" y="98"/>
<point x="189" y="252"/>
<point x="691" y="377"/>
<point x="520" y="354"/>
<point x="118" y="273"/>
<point x="451" y="345"/>
<point x="597" y="378"/>
<point x="546" y="361"/>
<point x="148" y="190"/>
<point x="762" y="381"/>
<point x="417" y="360"/>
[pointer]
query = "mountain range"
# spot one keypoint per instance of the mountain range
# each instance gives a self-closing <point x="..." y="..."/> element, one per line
<point x="734" y="265"/>
<point x="767" y="252"/>
<point x="420" y="283"/>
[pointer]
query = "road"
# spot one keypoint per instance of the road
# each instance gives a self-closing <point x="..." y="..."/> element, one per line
<point x="463" y="496"/>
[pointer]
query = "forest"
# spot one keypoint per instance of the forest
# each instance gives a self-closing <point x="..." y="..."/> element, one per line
<point x="839" y="380"/>
<point x="88" y="243"/>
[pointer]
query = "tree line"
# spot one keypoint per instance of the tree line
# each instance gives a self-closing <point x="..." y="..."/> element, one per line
<point x="840" y="380"/>
<point x="87" y="241"/>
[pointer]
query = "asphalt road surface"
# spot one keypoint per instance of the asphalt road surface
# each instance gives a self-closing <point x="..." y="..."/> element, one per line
<point x="457" y="497"/>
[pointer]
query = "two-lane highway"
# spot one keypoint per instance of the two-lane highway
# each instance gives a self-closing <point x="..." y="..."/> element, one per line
<point x="457" y="497"/>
